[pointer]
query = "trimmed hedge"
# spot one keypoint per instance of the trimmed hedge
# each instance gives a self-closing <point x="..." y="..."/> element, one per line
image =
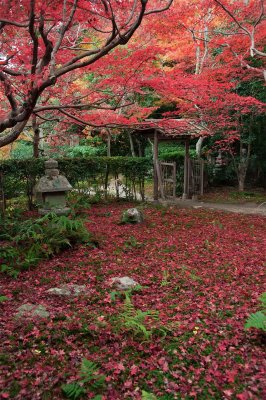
<point x="87" y="175"/>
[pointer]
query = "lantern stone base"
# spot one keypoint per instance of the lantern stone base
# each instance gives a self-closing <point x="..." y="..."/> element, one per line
<point x="57" y="211"/>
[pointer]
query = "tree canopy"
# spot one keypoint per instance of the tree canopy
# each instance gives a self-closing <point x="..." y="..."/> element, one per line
<point x="43" y="41"/>
<point x="62" y="62"/>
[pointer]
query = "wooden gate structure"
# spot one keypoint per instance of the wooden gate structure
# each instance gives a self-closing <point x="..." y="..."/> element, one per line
<point x="196" y="177"/>
<point x="164" y="174"/>
<point x="168" y="179"/>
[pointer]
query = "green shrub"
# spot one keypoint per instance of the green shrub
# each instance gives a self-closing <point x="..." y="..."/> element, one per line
<point x="88" y="175"/>
<point x="85" y="151"/>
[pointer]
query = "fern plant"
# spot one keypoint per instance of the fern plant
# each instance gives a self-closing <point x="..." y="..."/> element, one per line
<point x="134" y="320"/>
<point x="35" y="239"/>
<point x="73" y="391"/>
<point x="89" y="379"/>
<point x="89" y="374"/>
<point x="258" y="319"/>
<point x="132" y="243"/>
<point x="9" y="256"/>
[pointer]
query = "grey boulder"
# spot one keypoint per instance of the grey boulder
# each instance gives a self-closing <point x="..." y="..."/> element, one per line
<point x="123" y="283"/>
<point x="132" y="216"/>
<point x="68" y="290"/>
<point x="32" y="311"/>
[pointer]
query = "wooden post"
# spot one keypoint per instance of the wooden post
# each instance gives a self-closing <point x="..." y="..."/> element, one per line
<point x="186" y="175"/>
<point x="155" y="160"/>
<point x="160" y="181"/>
<point x="174" y="180"/>
<point x="201" y="177"/>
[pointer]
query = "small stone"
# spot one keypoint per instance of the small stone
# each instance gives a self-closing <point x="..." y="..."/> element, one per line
<point x="132" y="216"/>
<point x="32" y="310"/>
<point x="123" y="283"/>
<point x="68" y="290"/>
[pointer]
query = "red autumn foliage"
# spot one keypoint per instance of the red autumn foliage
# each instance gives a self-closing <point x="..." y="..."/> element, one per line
<point x="65" y="64"/>
<point x="43" y="41"/>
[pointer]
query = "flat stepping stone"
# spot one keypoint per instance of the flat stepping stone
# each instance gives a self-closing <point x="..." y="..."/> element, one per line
<point x="68" y="290"/>
<point x="32" y="311"/>
<point x="123" y="283"/>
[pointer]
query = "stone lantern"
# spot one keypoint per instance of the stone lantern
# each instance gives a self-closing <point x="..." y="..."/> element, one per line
<point x="51" y="190"/>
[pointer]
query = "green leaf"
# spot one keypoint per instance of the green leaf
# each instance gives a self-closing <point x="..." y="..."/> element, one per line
<point x="3" y="298"/>
<point x="147" y="396"/>
<point x="256" y="320"/>
<point x="263" y="299"/>
<point x="113" y="295"/>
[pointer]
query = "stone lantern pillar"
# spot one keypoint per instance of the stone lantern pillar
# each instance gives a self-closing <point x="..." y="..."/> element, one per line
<point x="51" y="190"/>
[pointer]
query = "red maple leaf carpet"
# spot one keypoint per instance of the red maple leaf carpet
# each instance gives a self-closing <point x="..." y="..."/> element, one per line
<point x="199" y="271"/>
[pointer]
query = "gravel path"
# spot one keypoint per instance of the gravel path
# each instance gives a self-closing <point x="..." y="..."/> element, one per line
<point x="248" y="208"/>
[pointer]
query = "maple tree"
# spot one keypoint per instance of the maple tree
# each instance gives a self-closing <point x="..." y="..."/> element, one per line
<point x="200" y="70"/>
<point x="194" y="55"/>
<point x="43" y="41"/>
<point x="244" y="33"/>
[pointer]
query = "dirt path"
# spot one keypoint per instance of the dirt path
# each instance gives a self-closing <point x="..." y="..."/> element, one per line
<point x="248" y="208"/>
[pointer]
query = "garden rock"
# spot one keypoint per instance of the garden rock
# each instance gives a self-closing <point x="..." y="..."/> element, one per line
<point x="132" y="216"/>
<point x="123" y="283"/>
<point x="32" y="311"/>
<point x="68" y="290"/>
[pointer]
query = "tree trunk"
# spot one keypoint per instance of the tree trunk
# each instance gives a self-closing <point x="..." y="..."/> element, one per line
<point x="109" y="144"/>
<point x="2" y="195"/>
<point x="131" y="145"/>
<point x="199" y="146"/>
<point x="241" y="178"/>
<point x="243" y="166"/>
<point x="140" y="152"/>
<point x="36" y="137"/>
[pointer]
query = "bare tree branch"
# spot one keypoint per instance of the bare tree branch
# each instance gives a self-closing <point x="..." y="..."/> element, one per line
<point x="14" y="23"/>
<point x="158" y="10"/>
<point x="233" y="17"/>
<point x="8" y="92"/>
